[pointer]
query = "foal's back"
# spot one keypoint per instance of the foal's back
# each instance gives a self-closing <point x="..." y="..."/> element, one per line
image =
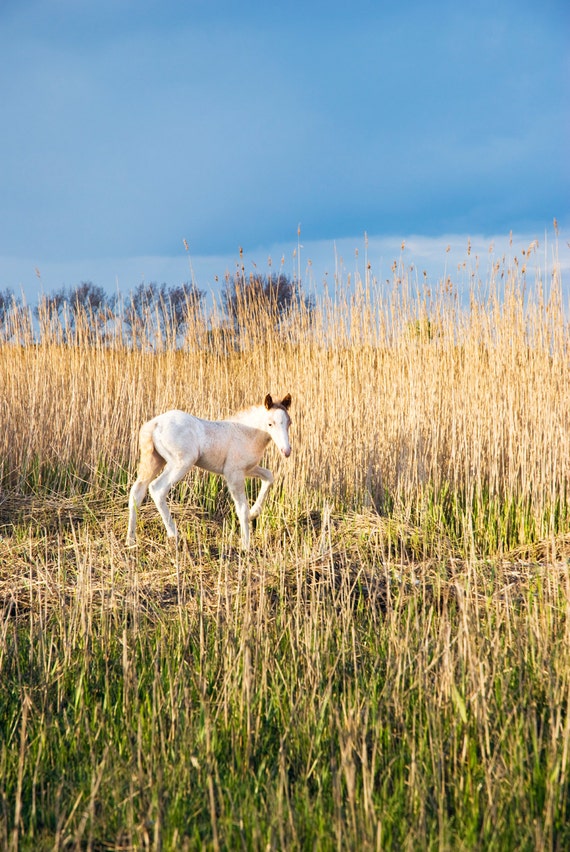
<point x="185" y="439"/>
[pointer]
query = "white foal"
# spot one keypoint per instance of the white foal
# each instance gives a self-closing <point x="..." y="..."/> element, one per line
<point x="171" y="443"/>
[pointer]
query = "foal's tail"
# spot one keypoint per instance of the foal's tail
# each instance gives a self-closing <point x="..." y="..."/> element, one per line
<point x="150" y="465"/>
<point x="151" y="462"/>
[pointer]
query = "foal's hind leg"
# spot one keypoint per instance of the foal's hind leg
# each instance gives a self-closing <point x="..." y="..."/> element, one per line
<point x="136" y="496"/>
<point x="150" y="465"/>
<point x="236" y="485"/>
<point x="159" y="489"/>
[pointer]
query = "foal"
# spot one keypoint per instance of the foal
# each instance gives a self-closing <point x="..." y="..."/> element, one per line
<point x="175" y="441"/>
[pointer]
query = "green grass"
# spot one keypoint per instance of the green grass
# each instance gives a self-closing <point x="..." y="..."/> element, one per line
<point x="327" y="691"/>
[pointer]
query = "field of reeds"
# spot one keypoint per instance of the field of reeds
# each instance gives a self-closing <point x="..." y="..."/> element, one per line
<point x="388" y="668"/>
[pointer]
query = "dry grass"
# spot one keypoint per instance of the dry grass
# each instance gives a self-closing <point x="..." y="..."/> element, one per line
<point x="394" y="393"/>
<point x="388" y="667"/>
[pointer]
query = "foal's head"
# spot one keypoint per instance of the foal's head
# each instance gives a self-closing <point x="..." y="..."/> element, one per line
<point x="278" y="422"/>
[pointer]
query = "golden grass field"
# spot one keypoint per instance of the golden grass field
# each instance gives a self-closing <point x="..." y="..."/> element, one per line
<point x="389" y="667"/>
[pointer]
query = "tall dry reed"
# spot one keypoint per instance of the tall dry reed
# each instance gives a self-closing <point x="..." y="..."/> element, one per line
<point x="403" y="398"/>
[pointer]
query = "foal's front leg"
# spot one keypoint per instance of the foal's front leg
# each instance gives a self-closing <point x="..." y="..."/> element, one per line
<point x="266" y="482"/>
<point x="236" y="485"/>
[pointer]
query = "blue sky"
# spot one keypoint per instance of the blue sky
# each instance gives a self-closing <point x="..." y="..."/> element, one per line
<point x="131" y="125"/>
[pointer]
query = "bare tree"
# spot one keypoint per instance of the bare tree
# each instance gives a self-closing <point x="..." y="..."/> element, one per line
<point x="276" y="296"/>
<point x="14" y="317"/>
<point x="91" y="309"/>
<point x="152" y="312"/>
<point x="82" y="310"/>
<point x="7" y="301"/>
<point x="52" y="315"/>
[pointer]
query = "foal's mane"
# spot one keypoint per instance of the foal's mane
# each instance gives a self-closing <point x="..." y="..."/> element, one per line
<point x="244" y="413"/>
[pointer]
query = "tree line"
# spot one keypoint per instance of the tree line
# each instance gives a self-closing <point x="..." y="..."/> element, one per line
<point x="163" y="309"/>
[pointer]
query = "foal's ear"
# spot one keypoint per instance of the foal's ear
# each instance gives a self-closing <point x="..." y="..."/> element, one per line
<point x="286" y="402"/>
<point x="268" y="401"/>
